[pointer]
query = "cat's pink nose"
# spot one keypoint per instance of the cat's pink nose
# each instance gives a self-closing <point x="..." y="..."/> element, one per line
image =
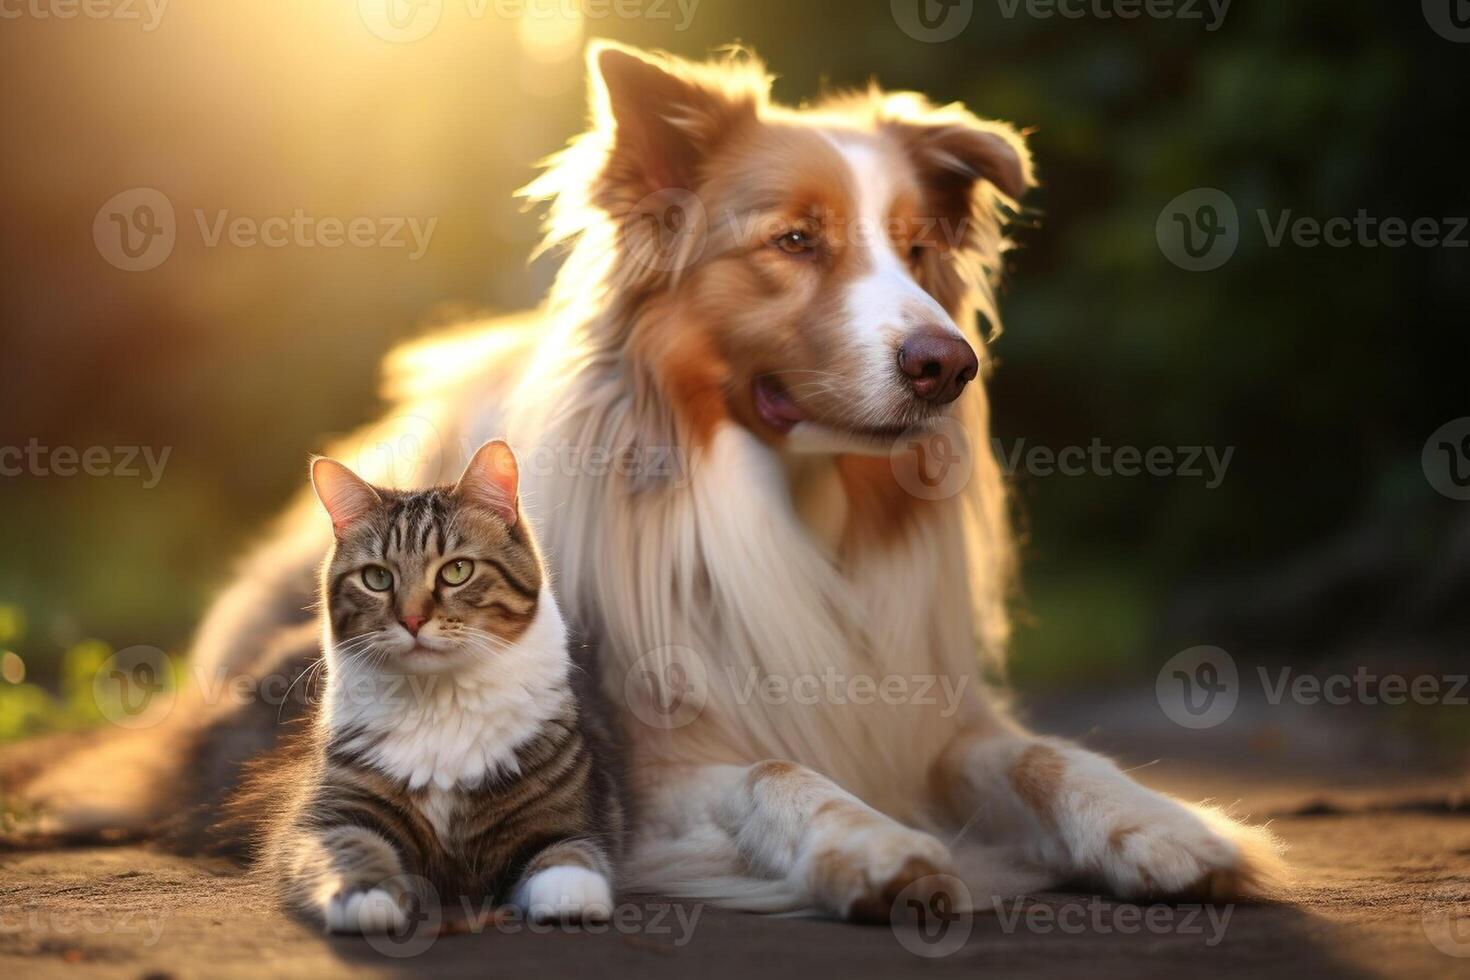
<point x="412" y="623"/>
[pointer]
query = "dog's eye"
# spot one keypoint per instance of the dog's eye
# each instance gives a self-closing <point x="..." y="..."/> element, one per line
<point x="796" y="242"/>
<point x="916" y="253"/>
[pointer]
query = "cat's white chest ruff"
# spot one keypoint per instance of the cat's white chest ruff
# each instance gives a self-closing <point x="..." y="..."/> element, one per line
<point x="455" y="729"/>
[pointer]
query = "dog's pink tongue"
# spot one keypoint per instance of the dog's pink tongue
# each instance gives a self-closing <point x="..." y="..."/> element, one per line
<point x="775" y="406"/>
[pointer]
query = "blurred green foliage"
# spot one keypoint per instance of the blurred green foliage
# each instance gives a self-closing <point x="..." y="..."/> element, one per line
<point x="29" y="709"/>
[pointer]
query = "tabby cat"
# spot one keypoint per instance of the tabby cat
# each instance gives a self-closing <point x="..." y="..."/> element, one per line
<point x="450" y="748"/>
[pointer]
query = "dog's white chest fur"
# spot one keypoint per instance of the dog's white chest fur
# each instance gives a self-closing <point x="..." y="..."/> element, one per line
<point x="458" y="727"/>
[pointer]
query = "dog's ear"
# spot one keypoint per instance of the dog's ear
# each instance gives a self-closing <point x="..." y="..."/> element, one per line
<point x="664" y="114"/>
<point x="956" y="152"/>
<point x="959" y="155"/>
<point x="973" y="174"/>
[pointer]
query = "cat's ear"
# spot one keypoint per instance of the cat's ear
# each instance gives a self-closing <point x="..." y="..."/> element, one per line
<point x="347" y="497"/>
<point x="493" y="481"/>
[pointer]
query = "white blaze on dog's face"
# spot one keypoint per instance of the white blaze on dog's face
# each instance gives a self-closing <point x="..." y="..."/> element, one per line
<point x="807" y="274"/>
<point x="886" y="313"/>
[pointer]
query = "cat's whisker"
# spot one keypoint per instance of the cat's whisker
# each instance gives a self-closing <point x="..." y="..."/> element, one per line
<point x="311" y="668"/>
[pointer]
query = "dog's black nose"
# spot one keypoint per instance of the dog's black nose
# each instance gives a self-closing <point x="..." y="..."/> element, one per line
<point x="937" y="365"/>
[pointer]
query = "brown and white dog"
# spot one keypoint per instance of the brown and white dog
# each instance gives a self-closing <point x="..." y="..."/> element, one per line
<point x="756" y="303"/>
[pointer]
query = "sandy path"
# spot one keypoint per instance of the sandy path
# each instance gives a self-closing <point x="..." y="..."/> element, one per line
<point x="1385" y="891"/>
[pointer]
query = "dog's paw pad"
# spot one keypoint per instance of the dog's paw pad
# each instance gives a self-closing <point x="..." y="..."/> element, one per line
<point x="1198" y="857"/>
<point x="864" y="878"/>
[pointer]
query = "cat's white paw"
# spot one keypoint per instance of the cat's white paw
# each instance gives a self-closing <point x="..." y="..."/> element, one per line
<point x="565" y="892"/>
<point x="366" y="913"/>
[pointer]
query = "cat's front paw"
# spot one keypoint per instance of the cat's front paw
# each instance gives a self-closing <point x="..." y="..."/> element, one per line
<point x="565" y="892"/>
<point x="374" y="911"/>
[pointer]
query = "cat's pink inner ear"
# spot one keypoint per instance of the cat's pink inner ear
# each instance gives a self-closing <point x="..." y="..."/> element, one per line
<point x="345" y="495"/>
<point x="493" y="480"/>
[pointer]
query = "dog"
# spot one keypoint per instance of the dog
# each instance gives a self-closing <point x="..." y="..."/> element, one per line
<point x="764" y="333"/>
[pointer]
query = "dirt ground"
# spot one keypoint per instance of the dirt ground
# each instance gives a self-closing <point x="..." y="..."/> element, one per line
<point x="1383" y="890"/>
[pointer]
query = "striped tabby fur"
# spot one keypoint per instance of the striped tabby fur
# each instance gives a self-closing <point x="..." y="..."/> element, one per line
<point x="450" y="751"/>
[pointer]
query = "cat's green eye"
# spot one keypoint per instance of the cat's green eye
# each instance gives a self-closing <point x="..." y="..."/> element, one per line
<point x="377" y="578"/>
<point x="456" y="572"/>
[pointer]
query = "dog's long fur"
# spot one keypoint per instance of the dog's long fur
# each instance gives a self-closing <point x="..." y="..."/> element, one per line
<point x="751" y="555"/>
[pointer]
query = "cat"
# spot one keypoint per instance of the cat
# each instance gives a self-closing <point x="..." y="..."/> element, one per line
<point x="451" y="755"/>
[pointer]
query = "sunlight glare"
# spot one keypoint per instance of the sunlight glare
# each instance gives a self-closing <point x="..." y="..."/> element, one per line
<point x="550" y="31"/>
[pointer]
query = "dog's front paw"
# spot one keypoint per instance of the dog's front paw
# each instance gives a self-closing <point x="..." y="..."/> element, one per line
<point x="565" y="892"/>
<point x="1172" y="851"/>
<point x="373" y="911"/>
<point x="862" y="875"/>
